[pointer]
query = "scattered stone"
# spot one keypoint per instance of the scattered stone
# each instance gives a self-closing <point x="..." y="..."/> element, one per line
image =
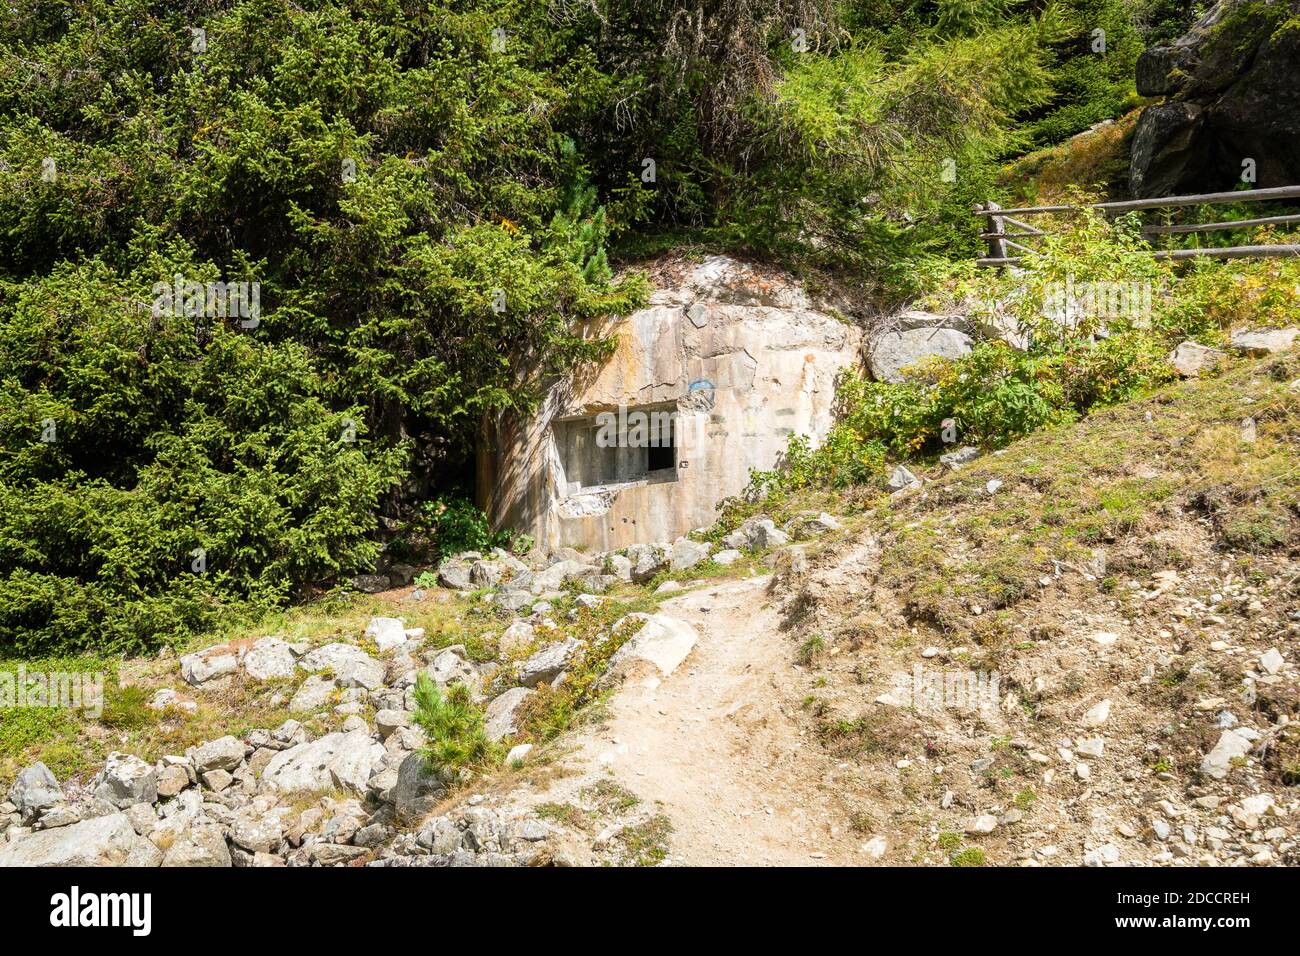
<point x="1105" y="855"/>
<point x="203" y="844"/>
<point x="214" y="664"/>
<point x="386" y="632"/>
<point x="35" y="790"/>
<point x="1190" y="359"/>
<point x="217" y="780"/>
<point x="268" y="659"/>
<point x="226" y="753"/>
<point x="351" y="666"/>
<point x="518" y="753"/>
<point x="669" y="587"/>
<point x="501" y="717"/>
<point x="100" y="841"/>
<point x="962" y="456"/>
<point x="125" y="780"/>
<point x="1097" y="715"/>
<point x="687" y="554"/>
<point x="165" y="698"/>
<point x="1233" y="744"/>
<point x="985" y="823"/>
<point x="727" y="557"/>
<point x="1271" y="661"/>
<point x="902" y="478"/>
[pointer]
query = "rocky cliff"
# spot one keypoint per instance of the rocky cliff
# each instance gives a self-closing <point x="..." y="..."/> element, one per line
<point x="1231" y="97"/>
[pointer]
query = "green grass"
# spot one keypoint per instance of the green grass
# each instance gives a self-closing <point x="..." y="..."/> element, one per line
<point x="1113" y="478"/>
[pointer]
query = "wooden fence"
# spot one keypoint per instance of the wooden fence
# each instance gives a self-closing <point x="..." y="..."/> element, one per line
<point x="1001" y="241"/>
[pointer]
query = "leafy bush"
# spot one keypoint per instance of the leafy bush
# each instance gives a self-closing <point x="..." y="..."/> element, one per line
<point x="457" y="524"/>
<point x="454" y="726"/>
<point x="1075" y="358"/>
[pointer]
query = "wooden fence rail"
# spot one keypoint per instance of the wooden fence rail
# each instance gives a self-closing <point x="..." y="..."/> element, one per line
<point x="1000" y="241"/>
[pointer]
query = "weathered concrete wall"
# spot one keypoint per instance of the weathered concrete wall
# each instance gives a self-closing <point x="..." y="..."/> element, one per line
<point x="742" y="356"/>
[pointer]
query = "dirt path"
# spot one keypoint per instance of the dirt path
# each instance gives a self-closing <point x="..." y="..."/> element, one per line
<point x="715" y="747"/>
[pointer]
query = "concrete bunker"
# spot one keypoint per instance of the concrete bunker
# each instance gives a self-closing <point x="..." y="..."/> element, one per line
<point x="707" y="382"/>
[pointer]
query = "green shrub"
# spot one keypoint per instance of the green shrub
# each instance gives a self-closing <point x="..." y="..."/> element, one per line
<point x="454" y="726"/>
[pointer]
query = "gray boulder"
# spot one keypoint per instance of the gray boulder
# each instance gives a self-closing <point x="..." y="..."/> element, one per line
<point x="454" y="573"/>
<point x="35" y="790"/>
<point x="687" y="553"/>
<point x="1266" y="342"/>
<point x="659" y="645"/>
<point x="227" y="753"/>
<point x="557" y="574"/>
<point x="201" y="845"/>
<point x="371" y="583"/>
<point x="126" y="780"/>
<point x="100" y="841"/>
<point x="756" y="534"/>
<point x="351" y="666"/>
<point x="335" y="761"/>
<point x="268" y="659"/>
<point x="1193" y="358"/>
<point x="548" y="662"/>
<point x="891" y="352"/>
<point x="418" y="786"/>
<point x="648" y="560"/>
<point x="503" y="713"/>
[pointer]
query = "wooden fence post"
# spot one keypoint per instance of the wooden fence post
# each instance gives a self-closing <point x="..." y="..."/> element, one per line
<point x="997" y="244"/>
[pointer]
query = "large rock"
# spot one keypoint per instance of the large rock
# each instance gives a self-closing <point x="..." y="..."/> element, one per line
<point x="212" y="665"/>
<point x="268" y="659"/>
<point x="1193" y="358"/>
<point x="226" y="753"/>
<point x="659" y="645"/>
<point x="351" y="666"/>
<point x="454" y="572"/>
<point x="503" y="713"/>
<point x="418" y="786"/>
<point x="554" y="577"/>
<point x="315" y="693"/>
<point x="1168" y="154"/>
<point x="1232" y="79"/>
<point x="756" y="534"/>
<point x="335" y="761"/>
<point x="893" y="351"/>
<point x="648" y="560"/>
<point x="126" y="780"/>
<point x="35" y="790"/>
<point x="1266" y="342"/>
<point x="101" y="841"/>
<point x="386" y="632"/>
<point x="547" y="663"/>
<point x="687" y="553"/>
<point x="450" y="666"/>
